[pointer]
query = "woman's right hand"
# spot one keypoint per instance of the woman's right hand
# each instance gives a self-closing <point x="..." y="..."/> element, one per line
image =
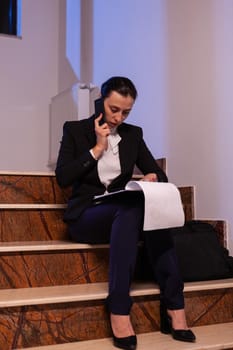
<point x="102" y="131"/>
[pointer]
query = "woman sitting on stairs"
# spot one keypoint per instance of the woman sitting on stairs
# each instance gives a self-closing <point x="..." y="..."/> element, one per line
<point x="98" y="154"/>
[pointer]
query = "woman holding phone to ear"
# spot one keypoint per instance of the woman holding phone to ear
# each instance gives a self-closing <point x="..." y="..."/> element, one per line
<point x="98" y="155"/>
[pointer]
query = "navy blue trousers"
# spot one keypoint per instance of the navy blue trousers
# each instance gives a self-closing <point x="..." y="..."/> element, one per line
<point x="118" y="220"/>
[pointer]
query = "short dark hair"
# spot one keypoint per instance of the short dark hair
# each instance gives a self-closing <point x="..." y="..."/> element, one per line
<point x="122" y="85"/>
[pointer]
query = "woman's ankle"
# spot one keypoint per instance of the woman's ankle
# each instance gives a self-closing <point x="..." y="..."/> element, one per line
<point x="178" y="319"/>
<point x="121" y="325"/>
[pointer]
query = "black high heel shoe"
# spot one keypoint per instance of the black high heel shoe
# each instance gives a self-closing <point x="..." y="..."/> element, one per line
<point x="126" y="343"/>
<point x="177" y="334"/>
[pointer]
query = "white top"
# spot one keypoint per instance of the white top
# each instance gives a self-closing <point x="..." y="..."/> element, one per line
<point x="109" y="163"/>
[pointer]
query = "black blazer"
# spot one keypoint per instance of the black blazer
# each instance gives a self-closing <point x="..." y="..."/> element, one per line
<point x="77" y="168"/>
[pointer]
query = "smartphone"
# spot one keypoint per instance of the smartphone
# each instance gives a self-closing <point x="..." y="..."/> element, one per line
<point x="99" y="108"/>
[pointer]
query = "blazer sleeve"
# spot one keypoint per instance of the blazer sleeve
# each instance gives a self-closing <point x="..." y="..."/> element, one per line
<point x="74" y="162"/>
<point x="147" y="163"/>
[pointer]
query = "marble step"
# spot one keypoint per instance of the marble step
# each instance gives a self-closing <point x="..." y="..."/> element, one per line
<point x="31" y="187"/>
<point x="18" y="222"/>
<point x="36" y="187"/>
<point x="41" y="188"/>
<point x="47" y="246"/>
<point x="37" y="263"/>
<point x="91" y="291"/>
<point x="30" y="222"/>
<point x="211" y="337"/>
<point x="49" y="316"/>
<point x="30" y="206"/>
<point x="26" y="264"/>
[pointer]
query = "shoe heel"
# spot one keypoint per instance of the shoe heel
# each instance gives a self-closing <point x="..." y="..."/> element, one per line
<point x="185" y="335"/>
<point x="165" y="321"/>
<point x="125" y="343"/>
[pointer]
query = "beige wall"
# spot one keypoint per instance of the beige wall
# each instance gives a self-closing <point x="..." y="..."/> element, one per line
<point x="28" y="79"/>
<point x="199" y="95"/>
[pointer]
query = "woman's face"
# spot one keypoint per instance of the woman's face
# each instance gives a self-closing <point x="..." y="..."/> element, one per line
<point x="117" y="108"/>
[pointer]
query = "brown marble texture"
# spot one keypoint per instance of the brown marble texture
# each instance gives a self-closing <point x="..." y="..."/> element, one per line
<point x="47" y="224"/>
<point x="31" y="189"/>
<point x="22" y="270"/>
<point x="32" y="225"/>
<point x="209" y="307"/>
<point x="28" y="326"/>
<point x="41" y="189"/>
<point x="37" y="224"/>
<point x="162" y="162"/>
<point x="53" y="324"/>
<point x="40" y="269"/>
<point x="187" y="198"/>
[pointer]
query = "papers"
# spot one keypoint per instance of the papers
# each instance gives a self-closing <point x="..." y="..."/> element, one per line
<point x="163" y="205"/>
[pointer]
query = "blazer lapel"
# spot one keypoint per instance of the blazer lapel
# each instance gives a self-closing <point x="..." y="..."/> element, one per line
<point x="124" y="149"/>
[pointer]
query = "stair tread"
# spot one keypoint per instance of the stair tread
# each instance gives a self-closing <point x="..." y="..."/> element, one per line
<point x="27" y="246"/>
<point x="214" y="337"/>
<point x="90" y="291"/>
<point x="32" y="206"/>
<point x="60" y="294"/>
<point x="27" y="173"/>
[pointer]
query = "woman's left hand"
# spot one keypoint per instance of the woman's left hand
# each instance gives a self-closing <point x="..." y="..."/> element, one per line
<point x="151" y="177"/>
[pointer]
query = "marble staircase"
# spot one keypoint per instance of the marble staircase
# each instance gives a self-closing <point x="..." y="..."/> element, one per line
<point x="213" y="337"/>
<point x="52" y="291"/>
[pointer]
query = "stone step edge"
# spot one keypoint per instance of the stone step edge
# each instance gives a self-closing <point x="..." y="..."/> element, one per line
<point x="32" y="206"/>
<point x="26" y="173"/>
<point x="90" y="291"/>
<point x="42" y="173"/>
<point x="46" y="246"/>
<point x="211" y="337"/>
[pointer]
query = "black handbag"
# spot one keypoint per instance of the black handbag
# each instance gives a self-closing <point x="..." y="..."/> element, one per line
<point x="200" y="254"/>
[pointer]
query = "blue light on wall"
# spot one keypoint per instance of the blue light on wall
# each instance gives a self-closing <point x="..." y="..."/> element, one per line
<point x="19" y="14"/>
<point x="73" y="35"/>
